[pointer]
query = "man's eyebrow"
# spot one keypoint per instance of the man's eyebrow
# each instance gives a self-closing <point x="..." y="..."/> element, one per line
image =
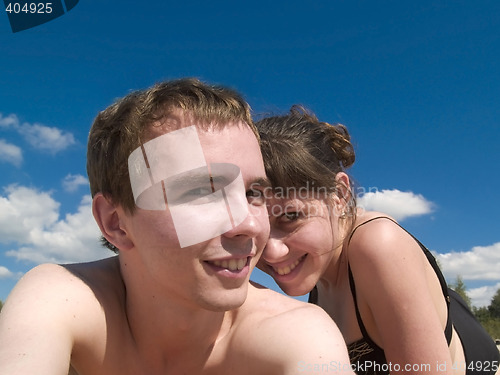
<point x="189" y="179"/>
<point x="261" y="181"/>
<point x="192" y="179"/>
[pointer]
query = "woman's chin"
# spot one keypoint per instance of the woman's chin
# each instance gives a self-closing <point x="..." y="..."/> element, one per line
<point x="294" y="290"/>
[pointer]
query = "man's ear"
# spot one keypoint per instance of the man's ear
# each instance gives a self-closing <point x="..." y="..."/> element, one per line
<point x="108" y="219"/>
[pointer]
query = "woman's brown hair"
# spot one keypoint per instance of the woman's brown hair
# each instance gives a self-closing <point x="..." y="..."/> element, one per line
<point x="300" y="152"/>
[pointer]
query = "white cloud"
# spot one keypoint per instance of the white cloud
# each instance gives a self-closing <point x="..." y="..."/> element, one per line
<point x="476" y="264"/>
<point x="30" y="219"/>
<point x="398" y="204"/>
<point x="24" y="209"/>
<point x="5" y="273"/>
<point x="483" y="295"/>
<point x="71" y="182"/>
<point x="39" y="136"/>
<point x="10" y="153"/>
<point x="479" y="263"/>
<point x="44" y="138"/>
<point x="9" y="121"/>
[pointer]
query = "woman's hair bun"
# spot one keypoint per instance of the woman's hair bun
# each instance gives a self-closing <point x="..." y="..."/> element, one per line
<point x="341" y="145"/>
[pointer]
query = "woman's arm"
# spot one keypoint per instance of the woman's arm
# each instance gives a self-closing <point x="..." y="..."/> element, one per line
<point x="400" y="301"/>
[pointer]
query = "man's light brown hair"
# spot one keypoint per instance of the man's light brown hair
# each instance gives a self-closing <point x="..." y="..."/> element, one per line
<point x="120" y="129"/>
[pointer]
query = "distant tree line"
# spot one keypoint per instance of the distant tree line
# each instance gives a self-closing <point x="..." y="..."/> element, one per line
<point x="488" y="316"/>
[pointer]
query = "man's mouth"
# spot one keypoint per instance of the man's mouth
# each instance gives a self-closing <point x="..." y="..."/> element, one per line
<point x="231" y="264"/>
<point x="287" y="269"/>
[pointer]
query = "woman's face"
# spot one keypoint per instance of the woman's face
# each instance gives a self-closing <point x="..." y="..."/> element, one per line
<point x="301" y="243"/>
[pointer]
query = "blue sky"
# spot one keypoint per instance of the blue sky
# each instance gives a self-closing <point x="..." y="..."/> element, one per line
<point x="416" y="83"/>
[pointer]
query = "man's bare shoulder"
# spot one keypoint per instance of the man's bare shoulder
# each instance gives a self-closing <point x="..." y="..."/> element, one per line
<point x="267" y="305"/>
<point x="102" y="276"/>
<point x="50" y="311"/>
<point x="293" y="332"/>
<point x="63" y="291"/>
<point x="61" y="281"/>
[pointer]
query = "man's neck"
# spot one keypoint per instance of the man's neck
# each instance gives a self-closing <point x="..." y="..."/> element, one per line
<point x="166" y="332"/>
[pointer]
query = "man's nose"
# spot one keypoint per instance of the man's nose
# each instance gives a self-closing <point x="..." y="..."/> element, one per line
<point x="254" y="224"/>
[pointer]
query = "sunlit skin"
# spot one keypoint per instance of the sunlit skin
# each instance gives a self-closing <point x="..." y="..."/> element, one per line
<point x="308" y="246"/>
<point x="196" y="276"/>
<point x="159" y="308"/>
<point x="302" y="240"/>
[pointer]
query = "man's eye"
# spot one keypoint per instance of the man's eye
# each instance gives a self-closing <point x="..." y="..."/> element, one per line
<point x="180" y="197"/>
<point x="198" y="192"/>
<point x="256" y="197"/>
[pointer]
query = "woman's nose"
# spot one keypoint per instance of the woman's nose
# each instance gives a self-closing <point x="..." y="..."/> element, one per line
<point x="276" y="250"/>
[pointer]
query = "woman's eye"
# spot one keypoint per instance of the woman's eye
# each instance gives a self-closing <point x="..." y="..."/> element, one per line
<point x="291" y="216"/>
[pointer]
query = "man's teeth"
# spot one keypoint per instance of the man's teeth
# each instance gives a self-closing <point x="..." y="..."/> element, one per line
<point x="286" y="270"/>
<point x="231" y="264"/>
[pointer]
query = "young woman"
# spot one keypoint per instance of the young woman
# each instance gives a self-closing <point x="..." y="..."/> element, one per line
<point x="381" y="286"/>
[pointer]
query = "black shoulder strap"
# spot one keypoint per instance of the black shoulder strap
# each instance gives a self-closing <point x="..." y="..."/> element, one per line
<point x="444" y="287"/>
<point x="313" y="296"/>
<point x="362" y="327"/>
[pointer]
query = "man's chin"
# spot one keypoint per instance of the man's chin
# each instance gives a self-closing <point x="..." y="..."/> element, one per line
<point x="228" y="300"/>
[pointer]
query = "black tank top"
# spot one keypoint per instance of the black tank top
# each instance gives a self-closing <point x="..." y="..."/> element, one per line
<point x="367" y="358"/>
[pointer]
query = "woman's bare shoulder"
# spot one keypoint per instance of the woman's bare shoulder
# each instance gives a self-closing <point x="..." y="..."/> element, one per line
<point x="376" y="233"/>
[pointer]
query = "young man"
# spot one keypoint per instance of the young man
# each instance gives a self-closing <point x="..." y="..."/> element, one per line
<point x="175" y="173"/>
